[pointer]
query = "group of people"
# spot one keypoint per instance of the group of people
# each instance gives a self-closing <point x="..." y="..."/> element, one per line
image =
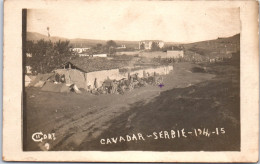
<point x="126" y="84"/>
<point x="117" y="86"/>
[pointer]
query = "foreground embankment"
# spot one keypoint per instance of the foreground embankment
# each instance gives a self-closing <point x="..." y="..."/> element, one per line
<point x="187" y="101"/>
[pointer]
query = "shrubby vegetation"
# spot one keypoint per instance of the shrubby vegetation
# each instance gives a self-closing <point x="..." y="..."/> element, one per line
<point x="44" y="56"/>
<point x="109" y="48"/>
<point x="155" y="47"/>
<point x="172" y="47"/>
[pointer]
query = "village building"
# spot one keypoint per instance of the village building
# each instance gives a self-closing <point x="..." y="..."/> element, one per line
<point x="28" y="69"/>
<point x="28" y="55"/>
<point x="79" y="50"/>
<point x="80" y="73"/>
<point x="83" y="55"/>
<point x="91" y="75"/>
<point x="121" y="47"/>
<point x="100" y="55"/>
<point x="147" y="44"/>
<point x="175" y="54"/>
<point x="83" y="74"/>
<point x="93" y="55"/>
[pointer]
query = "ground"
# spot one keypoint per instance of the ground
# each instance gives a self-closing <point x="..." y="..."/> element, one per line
<point x="188" y="101"/>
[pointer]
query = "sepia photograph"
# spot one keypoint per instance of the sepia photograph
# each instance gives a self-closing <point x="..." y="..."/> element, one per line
<point x="131" y="80"/>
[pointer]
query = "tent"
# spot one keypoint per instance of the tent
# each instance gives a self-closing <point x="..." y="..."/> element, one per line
<point x="73" y="76"/>
<point x="27" y="80"/>
<point x="60" y="87"/>
<point x="51" y="87"/>
<point x="41" y="79"/>
<point x="39" y="84"/>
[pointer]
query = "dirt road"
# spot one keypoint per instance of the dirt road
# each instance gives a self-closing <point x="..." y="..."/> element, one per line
<point x="79" y="121"/>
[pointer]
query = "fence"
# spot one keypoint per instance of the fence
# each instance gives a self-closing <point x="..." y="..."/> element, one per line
<point x="162" y="70"/>
<point x="101" y="76"/>
<point x="154" y="54"/>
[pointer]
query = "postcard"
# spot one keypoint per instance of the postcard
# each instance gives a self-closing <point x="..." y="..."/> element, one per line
<point x="130" y="81"/>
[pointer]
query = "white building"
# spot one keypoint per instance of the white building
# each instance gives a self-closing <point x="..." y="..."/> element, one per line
<point x="79" y="50"/>
<point x="28" y="55"/>
<point x="122" y="47"/>
<point x="93" y="55"/>
<point x="83" y="55"/>
<point x="100" y="55"/>
<point x="147" y="44"/>
<point x="28" y="69"/>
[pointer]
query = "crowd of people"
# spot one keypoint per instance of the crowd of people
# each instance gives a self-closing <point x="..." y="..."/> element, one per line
<point x="110" y="86"/>
<point x="126" y="84"/>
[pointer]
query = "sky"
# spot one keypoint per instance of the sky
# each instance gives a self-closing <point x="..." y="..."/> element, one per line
<point x="160" y="20"/>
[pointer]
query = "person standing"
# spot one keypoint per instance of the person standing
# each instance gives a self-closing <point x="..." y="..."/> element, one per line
<point x="144" y="74"/>
<point x="96" y="83"/>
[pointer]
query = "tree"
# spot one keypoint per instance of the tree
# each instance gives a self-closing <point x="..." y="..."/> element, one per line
<point x="142" y="46"/>
<point x="40" y="52"/>
<point x="155" y="46"/>
<point x="111" y="43"/>
<point x="61" y="52"/>
<point x="99" y="46"/>
<point x="47" y="55"/>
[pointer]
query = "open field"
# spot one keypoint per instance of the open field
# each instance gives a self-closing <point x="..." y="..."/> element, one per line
<point x="186" y="101"/>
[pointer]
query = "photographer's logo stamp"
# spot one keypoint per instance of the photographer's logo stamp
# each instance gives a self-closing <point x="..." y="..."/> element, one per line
<point x="39" y="136"/>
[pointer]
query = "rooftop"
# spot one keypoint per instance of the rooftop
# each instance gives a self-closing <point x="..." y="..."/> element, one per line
<point x="86" y="64"/>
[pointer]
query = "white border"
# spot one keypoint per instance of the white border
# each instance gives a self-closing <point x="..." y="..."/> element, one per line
<point x="12" y="90"/>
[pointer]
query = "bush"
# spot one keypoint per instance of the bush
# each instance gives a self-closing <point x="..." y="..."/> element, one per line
<point x="46" y="55"/>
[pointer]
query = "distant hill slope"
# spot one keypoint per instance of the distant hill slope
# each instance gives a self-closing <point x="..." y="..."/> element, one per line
<point x="211" y="43"/>
<point x="215" y="48"/>
<point x="211" y="48"/>
<point x="78" y="42"/>
<point x="34" y="36"/>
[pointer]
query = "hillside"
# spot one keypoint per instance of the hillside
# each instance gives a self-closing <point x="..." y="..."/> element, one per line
<point x="211" y="48"/>
<point x="34" y="36"/>
<point x="78" y="42"/>
<point x="215" y="48"/>
<point x="216" y="42"/>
